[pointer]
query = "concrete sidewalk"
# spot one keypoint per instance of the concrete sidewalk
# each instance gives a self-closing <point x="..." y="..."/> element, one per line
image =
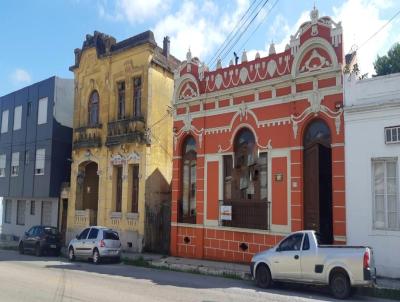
<point x="233" y="270"/>
<point x="385" y="287"/>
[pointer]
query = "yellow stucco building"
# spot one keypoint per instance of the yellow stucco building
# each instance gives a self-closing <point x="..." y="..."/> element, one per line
<point x="122" y="142"/>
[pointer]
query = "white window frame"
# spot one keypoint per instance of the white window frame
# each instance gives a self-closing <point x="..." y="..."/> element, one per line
<point x="40" y="161"/>
<point x="4" y="121"/>
<point x="3" y="159"/>
<point x="17" y="117"/>
<point x="15" y="164"/>
<point x="385" y="160"/>
<point x="392" y="131"/>
<point x="42" y="111"/>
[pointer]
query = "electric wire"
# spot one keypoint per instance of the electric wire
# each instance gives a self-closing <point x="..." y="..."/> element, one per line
<point x="239" y="31"/>
<point x="259" y="24"/>
<point x="215" y="56"/>
<point x="380" y="29"/>
<point x="248" y="25"/>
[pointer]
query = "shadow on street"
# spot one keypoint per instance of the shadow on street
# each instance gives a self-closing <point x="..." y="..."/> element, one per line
<point x="169" y="278"/>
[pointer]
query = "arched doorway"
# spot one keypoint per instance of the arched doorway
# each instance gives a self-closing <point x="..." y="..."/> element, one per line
<point x="87" y="193"/>
<point x="318" y="180"/>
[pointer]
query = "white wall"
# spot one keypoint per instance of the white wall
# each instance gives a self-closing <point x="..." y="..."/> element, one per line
<point x="371" y="105"/>
<point x="30" y="220"/>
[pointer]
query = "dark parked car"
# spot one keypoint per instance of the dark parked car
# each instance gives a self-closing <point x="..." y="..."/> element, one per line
<point x="41" y="239"/>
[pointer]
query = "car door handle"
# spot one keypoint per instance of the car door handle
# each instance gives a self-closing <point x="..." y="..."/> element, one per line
<point x="296" y="257"/>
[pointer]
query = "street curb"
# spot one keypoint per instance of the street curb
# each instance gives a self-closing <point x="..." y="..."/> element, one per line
<point x="376" y="292"/>
<point x="380" y="292"/>
<point x="200" y="269"/>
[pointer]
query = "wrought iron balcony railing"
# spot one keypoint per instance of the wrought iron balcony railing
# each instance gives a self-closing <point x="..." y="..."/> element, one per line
<point x="126" y="131"/>
<point x="87" y="137"/>
<point x="249" y="214"/>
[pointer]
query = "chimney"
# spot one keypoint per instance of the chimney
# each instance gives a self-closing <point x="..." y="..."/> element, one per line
<point x="166" y="44"/>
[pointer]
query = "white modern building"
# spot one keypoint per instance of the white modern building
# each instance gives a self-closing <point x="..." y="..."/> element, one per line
<point x="372" y="151"/>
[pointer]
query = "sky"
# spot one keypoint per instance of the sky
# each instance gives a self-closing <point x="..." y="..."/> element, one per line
<point x="38" y="38"/>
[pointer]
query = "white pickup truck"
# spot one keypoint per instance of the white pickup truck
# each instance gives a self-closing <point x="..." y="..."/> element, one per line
<point x="299" y="258"/>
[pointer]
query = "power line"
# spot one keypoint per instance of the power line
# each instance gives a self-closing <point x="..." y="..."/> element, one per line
<point x="240" y="36"/>
<point x="212" y="59"/>
<point x="258" y="26"/>
<point x="236" y="30"/>
<point x="380" y="29"/>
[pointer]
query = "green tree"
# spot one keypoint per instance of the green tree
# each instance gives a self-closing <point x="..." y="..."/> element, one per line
<point x="389" y="63"/>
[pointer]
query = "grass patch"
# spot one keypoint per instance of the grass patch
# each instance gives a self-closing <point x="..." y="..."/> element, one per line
<point x="140" y="261"/>
<point x="231" y="276"/>
<point x="385" y="293"/>
<point x="9" y="248"/>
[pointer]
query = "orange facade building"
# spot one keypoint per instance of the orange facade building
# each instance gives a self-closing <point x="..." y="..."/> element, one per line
<point x="259" y="148"/>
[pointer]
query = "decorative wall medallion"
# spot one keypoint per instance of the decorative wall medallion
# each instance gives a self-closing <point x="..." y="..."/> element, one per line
<point x="315" y="56"/>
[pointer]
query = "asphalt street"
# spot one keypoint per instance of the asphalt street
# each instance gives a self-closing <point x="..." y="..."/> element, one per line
<point x="28" y="278"/>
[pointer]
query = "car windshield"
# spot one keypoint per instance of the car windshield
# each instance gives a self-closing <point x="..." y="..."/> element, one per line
<point x="110" y="235"/>
<point x="50" y="231"/>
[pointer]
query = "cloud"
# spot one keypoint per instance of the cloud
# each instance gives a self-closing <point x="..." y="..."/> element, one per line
<point x="132" y="11"/>
<point x="279" y="33"/>
<point x="360" y="19"/>
<point x="359" y="26"/>
<point x="202" y="27"/>
<point x="20" y="76"/>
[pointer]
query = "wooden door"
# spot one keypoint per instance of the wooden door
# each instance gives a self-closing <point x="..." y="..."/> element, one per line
<point x="311" y="188"/>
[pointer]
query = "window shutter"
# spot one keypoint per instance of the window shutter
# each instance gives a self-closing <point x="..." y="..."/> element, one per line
<point x="40" y="159"/>
<point x="17" y="117"/>
<point x="21" y="204"/>
<point x="4" y="121"/>
<point x="15" y="159"/>
<point x="2" y="161"/>
<point x="42" y="112"/>
<point x="46" y="213"/>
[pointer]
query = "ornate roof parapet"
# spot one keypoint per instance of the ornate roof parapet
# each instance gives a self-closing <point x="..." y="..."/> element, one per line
<point x="315" y="48"/>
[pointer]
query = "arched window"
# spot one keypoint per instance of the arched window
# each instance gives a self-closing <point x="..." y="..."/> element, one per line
<point x="188" y="204"/>
<point x="244" y="160"/>
<point x="318" y="131"/>
<point x="93" y="109"/>
<point x="245" y="176"/>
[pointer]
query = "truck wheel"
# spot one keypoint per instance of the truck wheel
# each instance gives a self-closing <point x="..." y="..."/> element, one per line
<point x="263" y="276"/>
<point x="340" y="285"/>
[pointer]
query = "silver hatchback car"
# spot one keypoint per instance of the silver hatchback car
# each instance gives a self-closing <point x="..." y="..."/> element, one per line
<point x="95" y="243"/>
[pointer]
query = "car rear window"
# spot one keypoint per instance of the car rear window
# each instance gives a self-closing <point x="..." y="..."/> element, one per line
<point x="110" y="235"/>
<point x="51" y="231"/>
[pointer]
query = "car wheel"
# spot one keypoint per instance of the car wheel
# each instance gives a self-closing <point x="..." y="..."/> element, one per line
<point x="38" y="250"/>
<point x="21" y="248"/>
<point x="71" y="254"/>
<point x="263" y="276"/>
<point x="340" y="285"/>
<point x="96" y="256"/>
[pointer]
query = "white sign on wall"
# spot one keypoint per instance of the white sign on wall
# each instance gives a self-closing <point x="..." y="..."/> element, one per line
<point x="225" y="213"/>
